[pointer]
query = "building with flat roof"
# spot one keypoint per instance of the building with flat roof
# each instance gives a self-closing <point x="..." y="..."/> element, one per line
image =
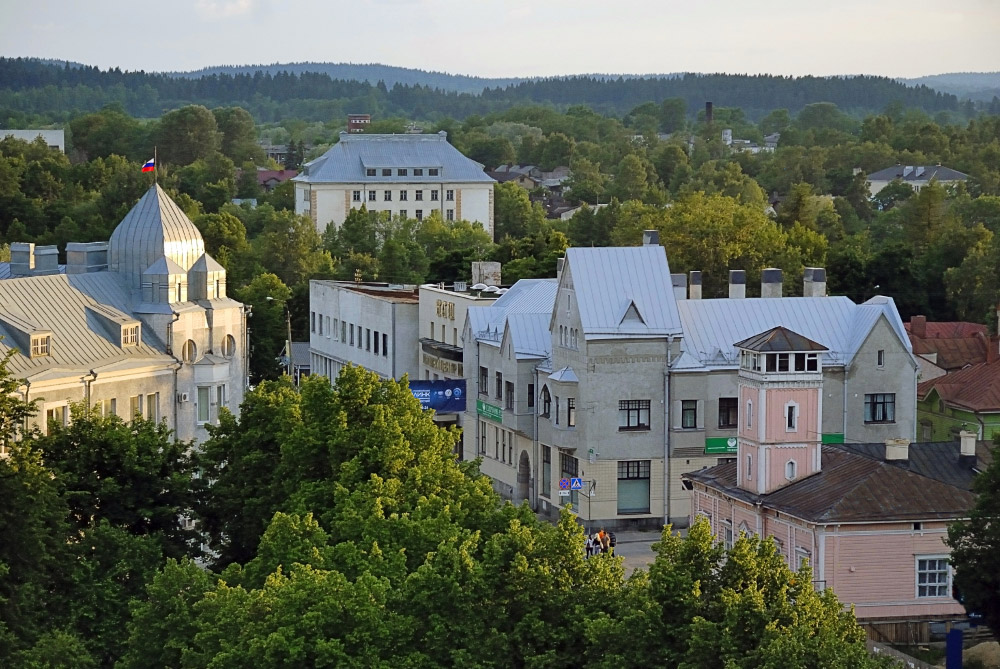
<point x="55" y="139"/>
<point x="410" y="176"/>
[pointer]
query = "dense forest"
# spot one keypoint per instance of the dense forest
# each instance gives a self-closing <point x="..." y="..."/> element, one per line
<point x="38" y="90"/>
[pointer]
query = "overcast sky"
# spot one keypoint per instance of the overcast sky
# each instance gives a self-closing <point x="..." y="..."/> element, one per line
<point x="903" y="38"/>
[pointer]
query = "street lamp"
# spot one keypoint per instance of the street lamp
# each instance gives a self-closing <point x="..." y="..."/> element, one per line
<point x="290" y="362"/>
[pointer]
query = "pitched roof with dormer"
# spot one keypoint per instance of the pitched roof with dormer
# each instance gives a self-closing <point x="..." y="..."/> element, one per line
<point x="348" y="160"/>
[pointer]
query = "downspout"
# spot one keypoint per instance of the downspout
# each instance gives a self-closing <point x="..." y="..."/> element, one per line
<point x="666" y="434"/>
<point x="177" y="365"/>
<point x="844" y="429"/>
<point x="535" y="449"/>
<point x="87" y="380"/>
<point x="247" y="313"/>
<point x="394" y="340"/>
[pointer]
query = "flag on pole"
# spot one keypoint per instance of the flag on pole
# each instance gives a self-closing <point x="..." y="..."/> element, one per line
<point x="149" y="165"/>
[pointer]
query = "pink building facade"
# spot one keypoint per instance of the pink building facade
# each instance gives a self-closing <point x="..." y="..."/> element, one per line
<point x="870" y="524"/>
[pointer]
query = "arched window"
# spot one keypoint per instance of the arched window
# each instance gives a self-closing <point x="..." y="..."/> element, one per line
<point x="791" y="470"/>
<point x="189" y="352"/>
<point x="546" y="401"/>
<point x="229" y="346"/>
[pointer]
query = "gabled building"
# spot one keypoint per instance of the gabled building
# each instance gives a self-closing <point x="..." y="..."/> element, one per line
<point x="140" y="324"/>
<point x="914" y="176"/>
<point x="948" y="346"/>
<point x="868" y="519"/>
<point x="967" y="399"/>
<point x="407" y="175"/>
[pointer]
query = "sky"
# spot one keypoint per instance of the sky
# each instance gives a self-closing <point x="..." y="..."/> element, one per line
<point x="899" y="38"/>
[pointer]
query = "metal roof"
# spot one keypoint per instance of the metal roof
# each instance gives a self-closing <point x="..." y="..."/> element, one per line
<point x="939" y="460"/>
<point x="623" y="291"/>
<point x="348" y="160"/>
<point x="779" y="340"/>
<point x="59" y="303"/>
<point x="918" y="173"/>
<point x="976" y="388"/>
<point x="712" y="327"/>
<point x="526" y="308"/>
<point x="154" y="228"/>
<point x="530" y="334"/>
<point x="851" y="488"/>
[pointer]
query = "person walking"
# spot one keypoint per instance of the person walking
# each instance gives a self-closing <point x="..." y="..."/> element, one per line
<point x="589" y="544"/>
<point x="605" y="541"/>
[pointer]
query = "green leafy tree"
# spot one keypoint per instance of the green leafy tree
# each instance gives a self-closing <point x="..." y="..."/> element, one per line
<point x="187" y="134"/>
<point x="268" y="296"/>
<point x="975" y="548"/>
<point x="586" y="182"/>
<point x="239" y="135"/>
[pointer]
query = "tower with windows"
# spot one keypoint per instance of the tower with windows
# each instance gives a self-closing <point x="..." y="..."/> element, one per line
<point x="780" y="410"/>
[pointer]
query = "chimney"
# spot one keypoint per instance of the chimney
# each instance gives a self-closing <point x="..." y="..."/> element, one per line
<point x="46" y="260"/>
<point x="770" y="282"/>
<point x="897" y="450"/>
<point x="814" y="282"/>
<point x="486" y="272"/>
<point x="968" y="442"/>
<point x="651" y="238"/>
<point x="708" y="112"/>
<point x="22" y="259"/>
<point x="918" y="326"/>
<point x="82" y="258"/>
<point x="559" y="266"/>
<point x="680" y="284"/>
<point x="694" y="284"/>
<point x="737" y="284"/>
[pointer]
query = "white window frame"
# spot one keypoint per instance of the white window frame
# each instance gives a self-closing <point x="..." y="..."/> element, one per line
<point x="792" y="416"/>
<point x="749" y="471"/>
<point x="749" y="414"/>
<point x="207" y="405"/>
<point x="791" y="470"/>
<point x="41" y="346"/>
<point x="130" y="335"/>
<point x="880" y="358"/>
<point x="916" y="576"/>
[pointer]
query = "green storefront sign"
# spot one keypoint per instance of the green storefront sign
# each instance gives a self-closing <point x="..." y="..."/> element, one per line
<point x="728" y="445"/>
<point x="489" y="411"/>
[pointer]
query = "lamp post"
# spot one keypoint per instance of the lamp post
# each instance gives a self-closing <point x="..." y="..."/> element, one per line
<point x="289" y="358"/>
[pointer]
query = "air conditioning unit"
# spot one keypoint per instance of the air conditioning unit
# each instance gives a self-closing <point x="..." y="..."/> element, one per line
<point x="183" y="397"/>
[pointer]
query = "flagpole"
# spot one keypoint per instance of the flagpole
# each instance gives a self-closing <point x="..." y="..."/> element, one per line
<point x="155" y="165"/>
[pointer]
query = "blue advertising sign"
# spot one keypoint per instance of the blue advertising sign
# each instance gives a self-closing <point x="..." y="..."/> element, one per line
<point x="446" y="396"/>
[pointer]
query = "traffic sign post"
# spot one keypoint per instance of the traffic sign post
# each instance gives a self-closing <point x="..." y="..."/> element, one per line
<point x="564" y="484"/>
<point x="576" y="484"/>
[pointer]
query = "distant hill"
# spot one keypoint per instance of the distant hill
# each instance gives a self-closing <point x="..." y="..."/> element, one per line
<point x="391" y="75"/>
<point x="972" y="85"/>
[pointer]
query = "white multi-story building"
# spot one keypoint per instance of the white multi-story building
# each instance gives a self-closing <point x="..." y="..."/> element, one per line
<point x="640" y="382"/>
<point x="137" y="325"/>
<point x="405" y="175"/>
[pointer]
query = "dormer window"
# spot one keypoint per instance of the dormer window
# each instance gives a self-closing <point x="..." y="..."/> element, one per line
<point x="130" y="335"/>
<point x="40" y="345"/>
<point x="418" y="171"/>
<point x="432" y="171"/>
<point x="387" y="172"/>
<point x="370" y="172"/>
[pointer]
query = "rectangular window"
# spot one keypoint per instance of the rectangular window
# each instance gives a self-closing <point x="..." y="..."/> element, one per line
<point x="134" y="406"/>
<point x="482" y="437"/>
<point x="546" y="402"/>
<point x="403" y="213"/>
<point x="368" y="339"/>
<point x="343" y="331"/>
<point x="546" y="471"/>
<point x="55" y="415"/>
<point x="728" y="410"/>
<point x="484" y="376"/>
<point x="557" y="409"/>
<point x="633" y="486"/>
<point x="880" y="408"/>
<point x="509" y="395"/>
<point x="40" y="346"/>
<point x="571" y="412"/>
<point x="370" y="171"/>
<point x="570" y="468"/>
<point x="386" y="172"/>
<point x="320" y="320"/>
<point x="352" y="334"/>
<point x="449" y="195"/>
<point x="402" y="196"/>
<point x="749" y="414"/>
<point x="812" y="362"/>
<point x="434" y="195"/>
<point x="153" y="406"/>
<point x="496" y="443"/>
<point x="204" y="410"/>
<point x="633" y="415"/>
<point x="371" y="196"/>
<point x="401" y="172"/>
<point x="130" y="335"/>
<point x="388" y="196"/>
<point x="419" y="214"/>
<point x="385" y="345"/>
<point x="376" y="342"/>
<point x="531" y="395"/>
<point x="356" y="196"/>
<point x="791" y="418"/>
<point x="499" y="386"/>
<point x="418" y="171"/>
<point x="220" y="395"/>
<point x="782" y="362"/>
<point x="109" y="407"/>
<point x="450" y="214"/>
<point x="880" y="358"/>
<point x="419" y="195"/>
<point x="933" y="576"/>
<point x="689" y="414"/>
<point x="432" y="171"/>
<point x="329" y="330"/>
<point x="727" y="534"/>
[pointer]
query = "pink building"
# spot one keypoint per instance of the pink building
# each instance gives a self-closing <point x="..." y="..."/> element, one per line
<point x="868" y="518"/>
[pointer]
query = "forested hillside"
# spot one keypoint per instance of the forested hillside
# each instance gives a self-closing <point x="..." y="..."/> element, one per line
<point x="36" y="90"/>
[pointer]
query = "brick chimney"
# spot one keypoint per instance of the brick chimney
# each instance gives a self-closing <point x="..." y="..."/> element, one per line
<point x="918" y="326"/>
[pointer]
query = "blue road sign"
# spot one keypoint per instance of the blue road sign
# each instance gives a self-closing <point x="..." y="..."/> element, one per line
<point x="576" y="484"/>
<point x="564" y="484"/>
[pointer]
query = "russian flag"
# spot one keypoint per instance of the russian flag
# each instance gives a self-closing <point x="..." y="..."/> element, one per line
<point x="149" y="165"/>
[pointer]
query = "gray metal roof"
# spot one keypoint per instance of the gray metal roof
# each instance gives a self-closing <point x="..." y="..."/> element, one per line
<point x="5" y="272"/>
<point x="527" y="308"/>
<point x="59" y="303"/>
<point x="918" y="173"/>
<point x="712" y="327"/>
<point x="154" y="228"/>
<point x="624" y="291"/>
<point x="348" y="160"/>
<point x="779" y="340"/>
